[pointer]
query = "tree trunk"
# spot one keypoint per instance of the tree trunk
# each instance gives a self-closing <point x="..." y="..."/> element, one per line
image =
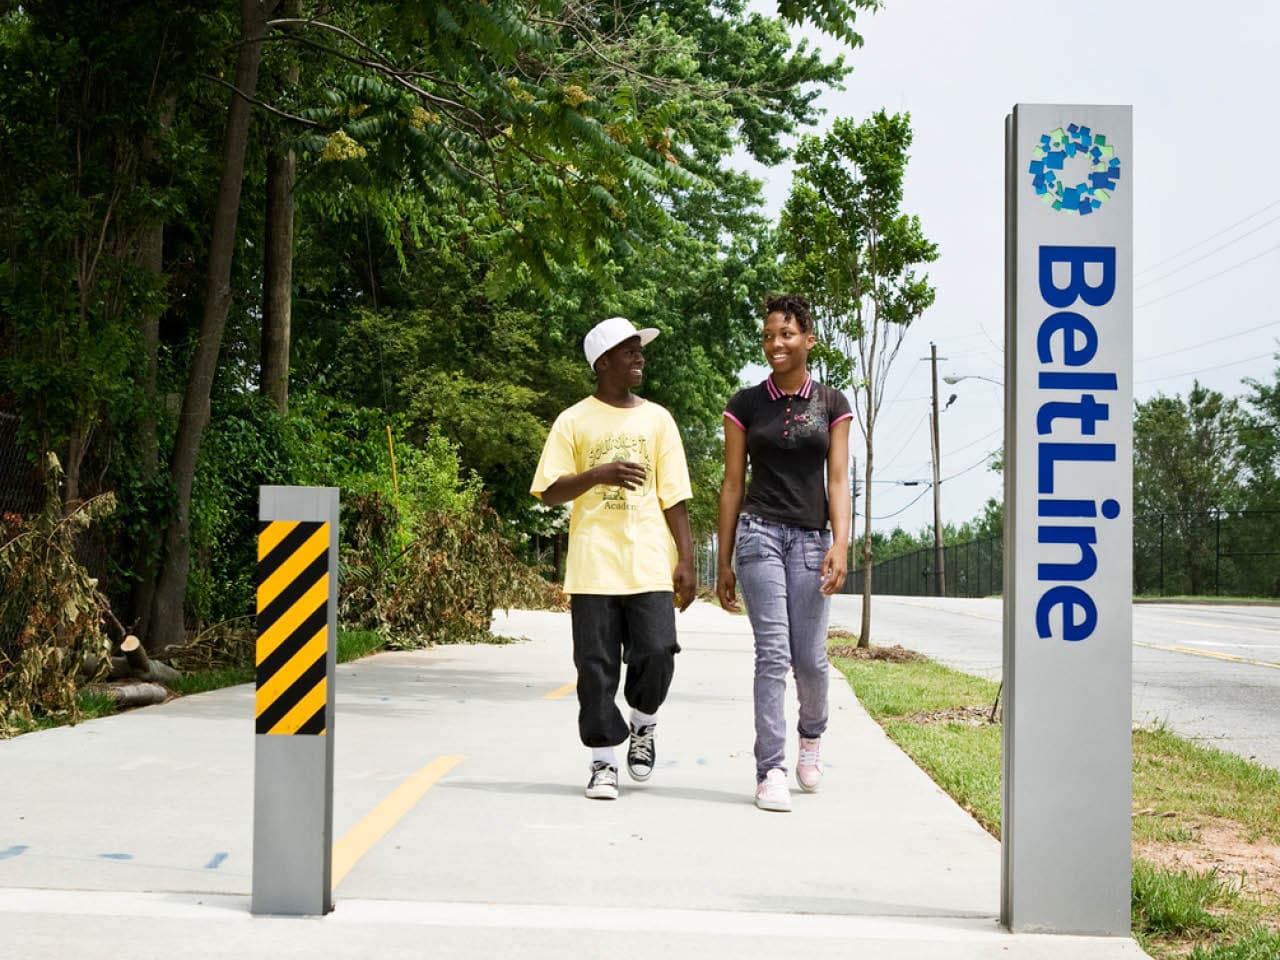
<point x="864" y="636"/>
<point x="277" y="281"/>
<point x="150" y="258"/>
<point x="166" y="624"/>
<point x="77" y="446"/>
<point x="277" y="273"/>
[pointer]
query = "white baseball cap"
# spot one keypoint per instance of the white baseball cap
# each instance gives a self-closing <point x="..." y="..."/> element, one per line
<point x="607" y="334"/>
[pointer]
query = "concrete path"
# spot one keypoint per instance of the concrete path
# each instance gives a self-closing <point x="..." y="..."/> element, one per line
<point x="131" y="836"/>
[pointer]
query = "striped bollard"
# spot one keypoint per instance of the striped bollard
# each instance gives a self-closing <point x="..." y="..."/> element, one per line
<point x="296" y="659"/>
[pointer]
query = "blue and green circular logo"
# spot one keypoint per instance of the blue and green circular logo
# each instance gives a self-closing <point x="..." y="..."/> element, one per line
<point x="1048" y="161"/>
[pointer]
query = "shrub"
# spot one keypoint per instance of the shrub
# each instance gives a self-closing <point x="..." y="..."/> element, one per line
<point x="51" y="611"/>
<point x="444" y="585"/>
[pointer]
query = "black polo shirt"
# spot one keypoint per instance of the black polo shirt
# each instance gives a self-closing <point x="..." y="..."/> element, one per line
<point x="787" y="441"/>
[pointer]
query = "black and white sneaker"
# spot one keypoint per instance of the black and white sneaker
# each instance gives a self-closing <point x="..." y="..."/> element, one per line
<point x="603" y="784"/>
<point x="641" y="753"/>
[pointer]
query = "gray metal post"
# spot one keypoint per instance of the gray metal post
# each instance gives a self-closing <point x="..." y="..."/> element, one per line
<point x="294" y="706"/>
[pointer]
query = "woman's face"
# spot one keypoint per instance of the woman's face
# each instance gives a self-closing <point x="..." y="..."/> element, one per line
<point x="786" y="346"/>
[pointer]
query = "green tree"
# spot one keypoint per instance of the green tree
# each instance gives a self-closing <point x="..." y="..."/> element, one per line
<point x="1260" y="442"/>
<point x="1260" y="459"/>
<point x="1186" y="466"/>
<point x="852" y="249"/>
<point x="512" y="166"/>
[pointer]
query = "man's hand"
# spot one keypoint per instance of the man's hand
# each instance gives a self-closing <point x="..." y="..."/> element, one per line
<point x="834" y="569"/>
<point x="726" y="584"/>
<point x="621" y="473"/>
<point x="685" y="584"/>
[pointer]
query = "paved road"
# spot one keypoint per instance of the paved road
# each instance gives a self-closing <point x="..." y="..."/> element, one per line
<point x="462" y="829"/>
<point x="1211" y="673"/>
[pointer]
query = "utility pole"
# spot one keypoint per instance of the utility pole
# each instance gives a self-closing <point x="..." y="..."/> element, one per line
<point x="939" y="574"/>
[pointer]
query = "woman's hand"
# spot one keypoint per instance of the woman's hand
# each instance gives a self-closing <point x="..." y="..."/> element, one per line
<point x="834" y="570"/>
<point x="726" y="583"/>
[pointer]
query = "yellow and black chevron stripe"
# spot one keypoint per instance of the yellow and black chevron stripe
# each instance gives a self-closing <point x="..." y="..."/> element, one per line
<point x="293" y="626"/>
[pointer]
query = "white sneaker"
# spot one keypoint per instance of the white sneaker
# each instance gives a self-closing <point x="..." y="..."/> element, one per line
<point x="772" y="792"/>
<point x="809" y="767"/>
<point x="603" y="784"/>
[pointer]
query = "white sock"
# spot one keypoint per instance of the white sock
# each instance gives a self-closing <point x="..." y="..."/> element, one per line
<point x="604" y="753"/>
<point x="639" y="719"/>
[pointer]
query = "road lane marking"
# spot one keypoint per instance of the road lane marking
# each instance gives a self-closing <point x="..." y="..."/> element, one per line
<point x="1223" y="626"/>
<point x="564" y="691"/>
<point x="1233" y="643"/>
<point x="1208" y="653"/>
<point x="937" y="609"/>
<point x="360" y="839"/>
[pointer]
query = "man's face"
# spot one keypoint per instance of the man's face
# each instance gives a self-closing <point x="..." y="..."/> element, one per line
<point x="624" y="364"/>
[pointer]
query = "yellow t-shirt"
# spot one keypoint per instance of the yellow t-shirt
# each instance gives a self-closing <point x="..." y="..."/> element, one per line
<point x="619" y="542"/>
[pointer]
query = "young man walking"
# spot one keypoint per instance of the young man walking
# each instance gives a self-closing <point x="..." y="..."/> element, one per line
<point x="619" y="458"/>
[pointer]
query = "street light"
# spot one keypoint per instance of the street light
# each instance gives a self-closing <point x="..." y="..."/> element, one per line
<point x="953" y="379"/>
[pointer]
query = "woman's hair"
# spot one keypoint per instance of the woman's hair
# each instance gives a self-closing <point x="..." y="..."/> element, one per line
<point x="790" y="305"/>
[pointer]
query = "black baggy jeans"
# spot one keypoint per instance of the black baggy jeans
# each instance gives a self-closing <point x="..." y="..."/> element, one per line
<point x="638" y="629"/>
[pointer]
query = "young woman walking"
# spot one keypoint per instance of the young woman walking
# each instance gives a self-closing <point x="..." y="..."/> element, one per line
<point x="789" y="533"/>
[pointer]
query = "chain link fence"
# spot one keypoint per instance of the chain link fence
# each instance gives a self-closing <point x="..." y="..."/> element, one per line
<point x="1218" y="553"/>
<point x="973" y="569"/>
<point x="20" y="490"/>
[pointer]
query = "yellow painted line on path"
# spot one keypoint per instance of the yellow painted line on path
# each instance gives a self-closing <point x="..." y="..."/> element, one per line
<point x="379" y="821"/>
<point x="564" y="691"/>
<point x="1209" y="653"/>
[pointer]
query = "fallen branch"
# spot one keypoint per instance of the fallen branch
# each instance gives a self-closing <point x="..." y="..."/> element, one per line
<point x="142" y="666"/>
<point x="132" y="663"/>
<point x="132" y="694"/>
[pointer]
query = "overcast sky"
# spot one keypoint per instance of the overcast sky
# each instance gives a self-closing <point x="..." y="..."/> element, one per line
<point x="1203" y="85"/>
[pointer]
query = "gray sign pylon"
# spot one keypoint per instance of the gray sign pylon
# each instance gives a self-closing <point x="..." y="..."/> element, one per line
<point x="1068" y="602"/>
<point x="294" y="705"/>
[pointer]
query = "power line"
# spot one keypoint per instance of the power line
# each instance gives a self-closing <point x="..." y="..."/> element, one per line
<point x="973" y="442"/>
<point x="903" y="449"/>
<point x="1214" y="236"/>
<point x="889" y="516"/>
<point x="1203" y="256"/>
<point x="975" y="466"/>
<point x="1229" y="336"/>
<point x="1206" y="369"/>
<point x="928" y="486"/>
<point x="1212" y="276"/>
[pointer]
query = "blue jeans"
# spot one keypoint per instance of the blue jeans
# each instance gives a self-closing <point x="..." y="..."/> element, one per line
<point x="780" y="570"/>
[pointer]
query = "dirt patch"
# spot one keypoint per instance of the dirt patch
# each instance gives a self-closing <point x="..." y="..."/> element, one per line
<point x="973" y="716"/>
<point x="1221" y="845"/>
<point x="851" y="651"/>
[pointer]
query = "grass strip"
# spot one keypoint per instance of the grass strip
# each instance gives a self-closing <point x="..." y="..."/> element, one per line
<point x="940" y="718"/>
<point x="1174" y="903"/>
<point x="352" y="645"/>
